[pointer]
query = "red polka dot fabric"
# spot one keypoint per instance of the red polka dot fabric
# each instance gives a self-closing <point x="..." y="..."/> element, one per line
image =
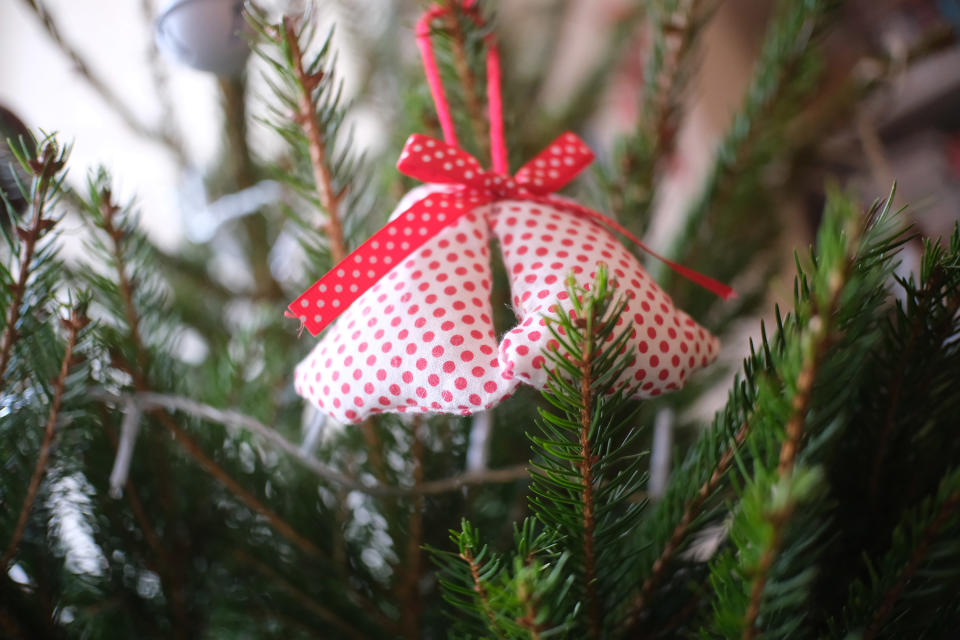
<point x="541" y="245"/>
<point x="420" y="340"/>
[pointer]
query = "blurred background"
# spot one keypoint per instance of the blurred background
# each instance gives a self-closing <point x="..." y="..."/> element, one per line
<point x="92" y="72"/>
<point x="191" y="148"/>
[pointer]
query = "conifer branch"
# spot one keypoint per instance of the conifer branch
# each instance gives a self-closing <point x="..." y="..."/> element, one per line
<point x="76" y="321"/>
<point x="920" y="319"/>
<point x="529" y="619"/>
<point x="947" y="510"/>
<point x="409" y="585"/>
<point x="48" y="163"/>
<point x="149" y="400"/>
<point x="778" y="521"/>
<point x="101" y="88"/>
<point x="586" y="469"/>
<point x="821" y="327"/>
<point x="467" y="556"/>
<point x="374" y="450"/>
<point x="195" y="451"/>
<point x="690" y="511"/>
<point x="306" y="117"/>
<point x="668" y="77"/>
<point x="172" y="586"/>
<point x="117" y="235"/>
<point x="478" y="123"/>
<point x="301" y="598"/>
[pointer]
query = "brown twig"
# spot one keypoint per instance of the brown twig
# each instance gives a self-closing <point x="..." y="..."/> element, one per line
<point x="678" y="32"/>
<point x="821" y="328"/>
<point x="195" y="451"/>
<point x="111" y="99"/>
<point x="778" y="522"/>
<point x="478" y="123"/>
<point x="896" y="389"/>
<point x="73" y="324"/>
<point x="950" y="505"/>
<point x="468" y="557"/>
<point x="232" y="419"/>
<point x="303" y="599"/>
<point x="680" y="531"/>
<point x="374" y="450"/>
<point x="409" y="584"/>
<point x="116" y="234"/>
<point x="44" y="167"/>
<point x="307" y="118"/>
<point x="586" y="476"/>
<point x="171" y="584"/>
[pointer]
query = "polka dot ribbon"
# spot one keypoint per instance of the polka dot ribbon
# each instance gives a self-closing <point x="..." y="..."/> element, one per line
<point x="434" y="161"/>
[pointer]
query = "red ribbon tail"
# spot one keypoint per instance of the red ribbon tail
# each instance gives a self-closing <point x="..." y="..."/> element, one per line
<point x="715" y="287"/>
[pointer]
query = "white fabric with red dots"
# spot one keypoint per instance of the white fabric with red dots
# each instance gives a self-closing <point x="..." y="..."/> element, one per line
<point x="541" y="245"/>
<point x="422" y="339"/>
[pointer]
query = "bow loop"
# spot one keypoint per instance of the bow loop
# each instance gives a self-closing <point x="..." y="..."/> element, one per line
<point x="434" y="161"/>
<point x="555" y="166"/>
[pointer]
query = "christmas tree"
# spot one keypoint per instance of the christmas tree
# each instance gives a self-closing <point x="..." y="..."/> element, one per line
<point x="145" y="494"/>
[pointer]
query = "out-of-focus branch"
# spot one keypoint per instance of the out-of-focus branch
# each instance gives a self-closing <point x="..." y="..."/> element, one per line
<point x="330" y="199"/>
<point x="159" y="135"/>
<point x="73" y="324"/>
<point x="234" y="419"/>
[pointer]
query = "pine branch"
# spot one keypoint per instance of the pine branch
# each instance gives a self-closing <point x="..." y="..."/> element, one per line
<point x="680" y="532"/>
<point x="458" y="47"/>
<point x="589" y="477"/>
<point x="308" y="80"/>
<point x="676" y="26"/>
<point x="588" y="322"/>
<point x="304" y="600"/>
<point x="948" y="508"/>
<point x="821" y="328"/>
<point x="45" y="168"/>
<point x="763" y="577"/>
<point x="100" y="87"/>
<point x="73" y="324"/>
<point x="116" y="230"/>
<point x="927" y="296"/>
<point x="901" y="581"/>
<point x="408" y="585"/>
<point x="468" y="557"/>
<point x="149" y="400"/>
<point x="171" y="583"/>
<point x="677" y="30"/>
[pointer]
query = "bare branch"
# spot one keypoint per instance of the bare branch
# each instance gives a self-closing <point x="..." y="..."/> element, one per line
<point x="236" y="420"/>
<point x="307" y="118"/>
<point x="74" y="323"/>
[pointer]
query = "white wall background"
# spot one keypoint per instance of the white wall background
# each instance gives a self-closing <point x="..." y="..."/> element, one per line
<point x="40" y="84"/>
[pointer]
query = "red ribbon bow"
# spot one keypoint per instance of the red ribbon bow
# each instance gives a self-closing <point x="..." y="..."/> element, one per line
<point x="434" y="161"/>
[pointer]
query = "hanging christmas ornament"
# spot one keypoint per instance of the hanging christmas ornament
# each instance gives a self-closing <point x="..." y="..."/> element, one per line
<point x="413" y="326"/>
<point x="204" y="34"/>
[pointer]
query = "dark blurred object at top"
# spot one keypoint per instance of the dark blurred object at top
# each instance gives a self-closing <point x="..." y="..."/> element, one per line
<point x="12" y="133"/>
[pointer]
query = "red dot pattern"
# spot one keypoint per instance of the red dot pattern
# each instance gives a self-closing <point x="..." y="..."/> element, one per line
<point x="417" y="333"/>
<point x="420" y="340"/>
<point x="541" y="244"/>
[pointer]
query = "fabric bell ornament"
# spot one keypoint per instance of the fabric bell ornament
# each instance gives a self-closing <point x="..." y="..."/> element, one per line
<point x="414" y="330"/>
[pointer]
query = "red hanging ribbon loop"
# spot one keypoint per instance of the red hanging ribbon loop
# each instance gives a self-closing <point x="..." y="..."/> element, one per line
<point x="434" y="161"/>
<point x="437" y="162"/>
